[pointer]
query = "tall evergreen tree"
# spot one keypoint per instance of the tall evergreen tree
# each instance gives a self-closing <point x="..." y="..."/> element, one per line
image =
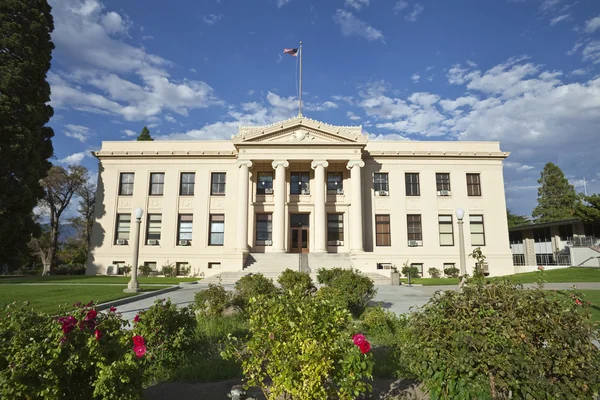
<point x="516" y="220"/>
<point x="25" y="141"/>
<point x="589" y="209"/>
<point x="145" y="135"/>
<point x="556" y="196"/>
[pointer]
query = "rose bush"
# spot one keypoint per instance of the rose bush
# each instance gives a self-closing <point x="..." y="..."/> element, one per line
<point x="81" y="354"/>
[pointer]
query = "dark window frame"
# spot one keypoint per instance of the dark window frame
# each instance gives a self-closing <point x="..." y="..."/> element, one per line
<point x="267" y="232"/>
<point x="123" y="184"/>
<point x="148" y="226"/>
<point x="187" y="188"/>
<point x="214" y="219"/>
<point x="381" y="181"/>
<point x="414" y="227"/>
<point x="446" y="223"/>
<point x="482" y="223"/>
<point x="412" y="184"/>
<point x="299" y="181"/>
<point x="117" y="227"/>
<point x="332" y="187"/>
<point x="474" y="185"/>
<point x="442" y="181"/>
<point x="383" y="236"/>
<point x="160" y="186"/>
<point x="180" y="220"/>
<point x="335" y="227"/>
<point x="218" y="187"/>
<point x="260" y="188"/>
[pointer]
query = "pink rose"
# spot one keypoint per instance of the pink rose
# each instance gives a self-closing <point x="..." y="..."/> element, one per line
<point x="97" y="334"/>
<point x="138" y="341"/>
<point x="136" y="319"/>
<point x="578" y="302"/>
<point x="139" y="350"/>
<point x="358" y="339"/>
<point x="540" y="267"/>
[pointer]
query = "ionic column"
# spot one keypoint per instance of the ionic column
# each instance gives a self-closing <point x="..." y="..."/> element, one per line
<point x="356" y="225"/>
<point x="320" y="198"/>
<point x="279" y="212"/>
<point x="242" y="215"/>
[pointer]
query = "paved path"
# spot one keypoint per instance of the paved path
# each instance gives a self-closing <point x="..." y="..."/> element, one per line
<point x="398" y="299"/>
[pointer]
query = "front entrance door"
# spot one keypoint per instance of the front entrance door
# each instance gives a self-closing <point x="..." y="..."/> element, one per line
<point x="299" y="233"/>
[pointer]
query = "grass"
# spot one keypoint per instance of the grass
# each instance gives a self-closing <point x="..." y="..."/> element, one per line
<point x="50" y="298"/>
<point x="122" y="280"/>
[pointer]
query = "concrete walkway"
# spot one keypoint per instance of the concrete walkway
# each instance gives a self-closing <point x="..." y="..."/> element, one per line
<point x="398" y="299"/>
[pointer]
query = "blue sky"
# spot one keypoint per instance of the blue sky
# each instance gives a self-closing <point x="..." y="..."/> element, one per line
<point x="524" y="72"/>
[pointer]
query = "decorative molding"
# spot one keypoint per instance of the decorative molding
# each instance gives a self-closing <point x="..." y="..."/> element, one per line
<point x="245" y="163"/>
<point x="355" y="163"/>
<point x="277" y="163"/>
<point x="315" y="164"/>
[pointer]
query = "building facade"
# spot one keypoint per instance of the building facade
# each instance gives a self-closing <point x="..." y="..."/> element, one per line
<point x="299" y="185"/>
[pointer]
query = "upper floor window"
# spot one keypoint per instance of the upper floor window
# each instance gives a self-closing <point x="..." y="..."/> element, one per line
<point x="184" y="229"/>
<point x="335" y="183"/>
<point x="477" y="230"/>
<point x="216" y="234"/>
<point x="380" y="182"/>
<point x="299" y="182"/>
<point x="157" y="183"/>
<point x="126" y="184"/>
<point x="154" y="228"/>
<point x="446" y="230"/>
<point x="412" y="184"/>
<point x="383" y="235"/>
<point x="217" y="186"/>
<point x="264" y="184"/>
<point x="473" y="185"/>
<point x="415" y="231"/>
<point x="442" y="181"/>
<point x="188" y="181"/>
<point x="123" y="228"/>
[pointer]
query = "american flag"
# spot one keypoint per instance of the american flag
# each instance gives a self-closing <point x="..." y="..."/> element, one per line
<point x="291" y="52"/>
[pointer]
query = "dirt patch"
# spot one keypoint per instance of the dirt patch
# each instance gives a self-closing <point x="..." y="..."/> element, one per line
<point x="388" y="389"/>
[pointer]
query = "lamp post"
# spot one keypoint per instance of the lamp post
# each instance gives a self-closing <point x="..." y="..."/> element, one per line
<point x="460" y="213"/>
<point x="133" y="286"/>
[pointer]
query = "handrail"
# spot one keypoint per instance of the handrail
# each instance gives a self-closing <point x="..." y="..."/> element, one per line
<point x="585" y="241"/>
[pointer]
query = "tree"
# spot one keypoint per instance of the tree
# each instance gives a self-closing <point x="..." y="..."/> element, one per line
<point x="60" y="186"/>
<point x="145" y="135"/>
<point x="516" y="220"/>
<point x="588" y="210"/>
<point x="25" y="141"/>
<point x="556" y="196"/>
<point x="75" y="249"/>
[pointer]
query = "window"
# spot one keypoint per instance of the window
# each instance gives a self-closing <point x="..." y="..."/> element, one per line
<point x="446" y="230"/>
<point x="541" y="235"/>
<point x="182" y="268"/>
<point x="299" y="183"/>
<point x="518" y="259"/>
<point x="151" y="264"/>
<point x="216" y="236"/>
<point x="116" y="268"/>
<point x="473" y="185"/>
<point x="335" y="183"/>
<point x="217" y="187"/>
<point x="335" y="228"/>
<point x="383" y="235"/>
<point x="477" y="231"/>
<point x="515" y="237"/>
<point x="123" y="228"/>
<point x="565" y="231"/>
<point x="264" y="229"/>
<point x="265" y="183"/>
<point x="184" y="227"/>
<point x="412" y="184"/>
<point x="442" y="181"/>
<point x="214" y="265"/>
<point x="126" y="184"/>
<point x="380" y="182"/>
<point x="157" y="184"/>
<point x="419" y="268"/>
<point x="448" y="266"/>
<point x="188" y="181"/>
<point x="154" y="225"/>
<point x="413" y="226"/>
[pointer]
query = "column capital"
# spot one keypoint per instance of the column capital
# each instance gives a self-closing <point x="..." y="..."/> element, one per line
<point x="354" y="163"/>
<point x="316" y="163"/>
<point x="244" y="163"/>
<point x="277" y="163"/>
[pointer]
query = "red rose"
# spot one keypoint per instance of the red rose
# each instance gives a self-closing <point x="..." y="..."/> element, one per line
<point x="113" y="309"/>
<point x="136" y="319"/>
<point x="138" y="341"/>
<point x="91" y="303"/>
<point x="91" y="315"/>
<point x="578" y="302"/>
<point x="358" y="339"/>
<point x="364" y="347"/>
<point x="139" y="350"/>
<point x="98" y="334"/>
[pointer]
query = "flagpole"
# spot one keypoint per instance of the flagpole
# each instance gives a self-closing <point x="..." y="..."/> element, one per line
<point x="300" y="94"/>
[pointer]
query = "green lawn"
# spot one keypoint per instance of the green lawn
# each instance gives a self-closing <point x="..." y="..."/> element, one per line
<point x="95" y="279"/>
<point x="49" y="298"/>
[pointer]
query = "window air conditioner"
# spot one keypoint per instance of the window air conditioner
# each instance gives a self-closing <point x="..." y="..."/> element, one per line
<point x="413" y="243"/>
<point x="184" y="242"/>
<point x="152" y="242"/>
<point x="339" y="191"/>
<point x="305" y="191"/>
<point x="268" y="191"/>
<point x="268" y="242"/>
<point x="339" y="243"/>
<point x="121" y="242"/>
<point x="382" y="193"/>
<point x="444" y="193"/>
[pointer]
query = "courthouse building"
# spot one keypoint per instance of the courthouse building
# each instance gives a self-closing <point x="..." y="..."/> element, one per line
<point x="299" y="186"/>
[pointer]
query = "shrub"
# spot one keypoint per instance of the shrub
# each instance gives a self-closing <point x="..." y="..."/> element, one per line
<point x="414" y="271"/>
<point x="144" y="270"/>
<point x="434" y="272"/>
<point x="169" y="270"/>
<point x="452" y="272"/>
<point x="184" y="271"/>
<point x="168" y="329"/>
<point x="249" y="286"/>
<point x="80" y="355"/>
<point x="383" y="326"/>
<point x="125" y="270"/>
<point x="495" y="339"/>
<point x="354" y="289"/>
<point x="213" y="301"/>
<point x="69" y="269"/>
<point x="301" y="281"/>
<point x="301" y="347"/>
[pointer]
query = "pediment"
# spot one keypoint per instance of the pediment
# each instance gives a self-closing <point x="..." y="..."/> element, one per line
<point x="300" y="130"/>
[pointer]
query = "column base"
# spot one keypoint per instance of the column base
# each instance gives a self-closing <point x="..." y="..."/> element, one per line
<point x="319" y="251"/>
<point x="132" y="290"/>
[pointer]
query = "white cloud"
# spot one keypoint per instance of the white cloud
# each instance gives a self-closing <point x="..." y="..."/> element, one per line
<point x="129" y="132"/>
<point x="558" y="19"/>
<point x="114" y="23"/>
<point x="352" y="116"/>
<point x="170" y="118"/>
<point x="211" y="19"/>
<point x="250" y="92"/>
<point x="548" y="4"/>
<point x="193" y="70"/>
<point x="414" y="14"/>
<point x="415" y="77"/>
<point x="73" y="159"/>
<point x="281" y="3"/>
<point x="591" y="52"/>
<point x="357" y="4"/>
<point x="524" y="168"/>
<point x="148" y="37"/>
<point x="451" y="105"/>
<point x="579" y="72"/>
<point x="347" y="99"/>
<point x="592" y="24"/>
<point x="78" y="132"/>
<point x="352" y="26"/>
<point x="399" y="6"/>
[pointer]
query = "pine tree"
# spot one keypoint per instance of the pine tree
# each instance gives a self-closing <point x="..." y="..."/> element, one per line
<point x="556" y="196"/>
<point x="516" y="220"/>
<point x="589" y="209"/>
<point x="25" y="141"/>
<point x="145" y="135"/>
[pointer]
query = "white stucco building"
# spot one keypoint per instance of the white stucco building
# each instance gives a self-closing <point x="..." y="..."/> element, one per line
<point x="299" y="186"/>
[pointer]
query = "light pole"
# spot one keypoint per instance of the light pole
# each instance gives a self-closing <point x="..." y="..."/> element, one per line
<point x="460" y="213"/>
<point x="133" y="286"/>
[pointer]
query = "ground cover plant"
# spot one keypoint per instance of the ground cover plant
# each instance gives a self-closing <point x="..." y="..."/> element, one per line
<point x="121" y="280"/>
